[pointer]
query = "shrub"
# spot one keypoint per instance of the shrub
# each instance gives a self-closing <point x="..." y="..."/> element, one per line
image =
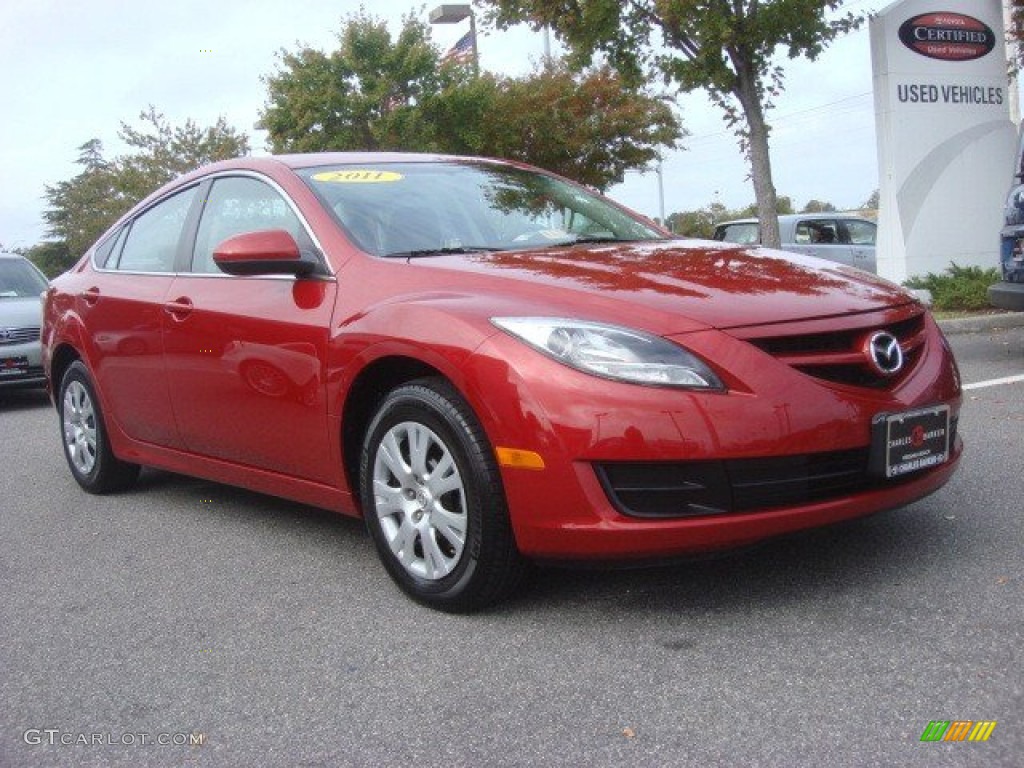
<point x="958" y="288"/>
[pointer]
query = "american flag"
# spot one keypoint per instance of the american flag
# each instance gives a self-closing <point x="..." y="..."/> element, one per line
<point x="462" y="51"/>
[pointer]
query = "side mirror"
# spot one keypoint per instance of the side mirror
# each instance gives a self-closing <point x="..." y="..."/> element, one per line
<point x="268" y="252"/>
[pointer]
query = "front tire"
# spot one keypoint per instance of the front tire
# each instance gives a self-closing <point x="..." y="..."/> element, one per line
<point x="434" y="502"/>
<point x="84" y="433"/>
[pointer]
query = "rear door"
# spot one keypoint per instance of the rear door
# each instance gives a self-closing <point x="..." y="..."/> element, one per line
<point x="822" y="238"/>
<point x="246" y="356"/>
<point x="123" y="308"/>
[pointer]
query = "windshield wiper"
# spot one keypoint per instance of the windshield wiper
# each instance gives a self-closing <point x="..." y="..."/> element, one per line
<point x="592" y="240"/>
<point x="416" y="254"/>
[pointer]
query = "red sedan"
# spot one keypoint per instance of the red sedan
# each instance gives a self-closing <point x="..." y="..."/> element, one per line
<point x="491" y="365"/>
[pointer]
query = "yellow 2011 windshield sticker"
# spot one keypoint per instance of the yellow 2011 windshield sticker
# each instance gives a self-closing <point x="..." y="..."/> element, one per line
<point x="357" y="176"/>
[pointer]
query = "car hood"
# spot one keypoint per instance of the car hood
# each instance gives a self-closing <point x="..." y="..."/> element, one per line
<point x="709" y="284"/>
<point x="20" y="312"/>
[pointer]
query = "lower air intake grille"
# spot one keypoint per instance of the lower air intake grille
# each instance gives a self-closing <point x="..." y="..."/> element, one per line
<point x="695" y="488"/>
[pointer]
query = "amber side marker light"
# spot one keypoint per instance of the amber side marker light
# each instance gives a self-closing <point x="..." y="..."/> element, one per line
<point x="514" y="457"/>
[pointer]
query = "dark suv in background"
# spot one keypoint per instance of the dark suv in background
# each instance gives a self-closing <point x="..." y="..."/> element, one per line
<point x="1009" y="294"/>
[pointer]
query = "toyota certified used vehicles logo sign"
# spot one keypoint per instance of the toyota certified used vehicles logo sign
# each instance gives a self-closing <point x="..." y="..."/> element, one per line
<point x="947" y="36"/>
<point x="885" y="353"/>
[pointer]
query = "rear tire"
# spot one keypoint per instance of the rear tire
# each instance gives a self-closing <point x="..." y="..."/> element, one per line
<point x="84" y="433"/>
<point x="433" y="500"/>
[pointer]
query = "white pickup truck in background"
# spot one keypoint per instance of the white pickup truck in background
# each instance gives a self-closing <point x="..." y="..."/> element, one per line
<point x="841" y="237"/>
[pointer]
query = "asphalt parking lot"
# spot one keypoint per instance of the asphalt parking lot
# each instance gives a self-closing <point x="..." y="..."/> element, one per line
<point x="186" y="610"/>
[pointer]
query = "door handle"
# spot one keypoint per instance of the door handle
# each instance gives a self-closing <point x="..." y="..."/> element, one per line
<point x="180" y="308"/>
<point x="90" y="295"/>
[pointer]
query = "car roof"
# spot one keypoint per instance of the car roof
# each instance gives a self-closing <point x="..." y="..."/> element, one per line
<point x="315" y="159"/>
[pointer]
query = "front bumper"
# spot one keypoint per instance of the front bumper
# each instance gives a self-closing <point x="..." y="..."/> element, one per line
<point x="610" y="535"/>
<point x="1006" y="295"/>
<point x="774" y="419"/>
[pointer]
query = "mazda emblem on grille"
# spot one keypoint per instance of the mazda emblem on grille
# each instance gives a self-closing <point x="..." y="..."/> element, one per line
<point x="5" y="334"/>
<point x="884" y="352"/>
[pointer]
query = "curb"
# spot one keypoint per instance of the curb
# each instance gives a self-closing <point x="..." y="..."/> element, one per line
<point x="982" y="323"/>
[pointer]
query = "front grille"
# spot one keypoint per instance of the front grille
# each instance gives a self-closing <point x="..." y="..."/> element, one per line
<point x="10" y="336"/>
<point x="838" y="356"/>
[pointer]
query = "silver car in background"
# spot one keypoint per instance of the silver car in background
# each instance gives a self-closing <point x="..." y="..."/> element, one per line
<point x="21" y="312"/>
<point x="841" y="237"/>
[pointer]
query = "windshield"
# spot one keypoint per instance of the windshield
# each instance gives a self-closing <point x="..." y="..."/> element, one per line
<point x="413" y="209"/>
<point x="744" y="233"/>
<point x="19" y="280"/>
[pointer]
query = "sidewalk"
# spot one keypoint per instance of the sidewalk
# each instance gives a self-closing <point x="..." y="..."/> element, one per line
<point x="981" y="323"/>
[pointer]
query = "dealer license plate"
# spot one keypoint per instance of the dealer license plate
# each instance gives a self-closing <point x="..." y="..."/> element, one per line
<point x="911" y="441"/>
<point x="13" y="366"/>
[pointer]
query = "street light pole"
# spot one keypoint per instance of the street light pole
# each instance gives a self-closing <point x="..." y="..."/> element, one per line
<point x="661" y="190"/>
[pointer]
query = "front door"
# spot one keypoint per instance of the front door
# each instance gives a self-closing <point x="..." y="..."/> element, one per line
<point x="246" y="356"/>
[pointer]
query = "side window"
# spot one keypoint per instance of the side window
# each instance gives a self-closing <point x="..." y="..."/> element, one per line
<point x="152" y="241"/>
<point x="861" y="232"/>
<point x="110" y="249"/>
<point x="236" y="205"/>
<point x="103" y="250"/>
<point x="819" y="231"/>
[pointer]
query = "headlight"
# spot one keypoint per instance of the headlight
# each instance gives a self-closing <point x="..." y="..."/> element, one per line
<point x="612" y="351"/>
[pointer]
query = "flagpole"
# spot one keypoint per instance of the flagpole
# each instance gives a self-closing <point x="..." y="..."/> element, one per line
<point x="476" y="51"/>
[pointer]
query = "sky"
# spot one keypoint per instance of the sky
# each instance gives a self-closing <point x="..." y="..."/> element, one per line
<point x="74" y="71"/>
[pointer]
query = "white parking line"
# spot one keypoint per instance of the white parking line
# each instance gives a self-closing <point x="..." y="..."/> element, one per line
<point x="994" y="382"/>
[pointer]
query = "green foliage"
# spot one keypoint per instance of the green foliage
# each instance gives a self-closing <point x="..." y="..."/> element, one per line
<point x="712" y="44"/>
<point x="80" y="209"/>
<point x="588" y="127"/>
<point x="1015" y="32"/>
<point x="51" y="256"/>
<point x="701" y="223"/>
<point x="363" y="96"/>
<point x="378" y="93"/>
<point x="958" y="288"/>
<point x="818" y="206"/>
<point x="164" y="152"/>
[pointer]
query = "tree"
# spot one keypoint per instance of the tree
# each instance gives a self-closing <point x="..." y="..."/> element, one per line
<point x="379" y="93"/>
<point x="164" y="152"/>
<point x="701" y="223"/>
<point x="1015" y="33"/>
<point x="587" y="127"/>
<point x="724" y="46"/>
<point x="363" y="96"/>
<point x="51" y="256"/>
<point x="818" y="206"/>
<point x="872" y="202"/>
<point x="80" y="209"/>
